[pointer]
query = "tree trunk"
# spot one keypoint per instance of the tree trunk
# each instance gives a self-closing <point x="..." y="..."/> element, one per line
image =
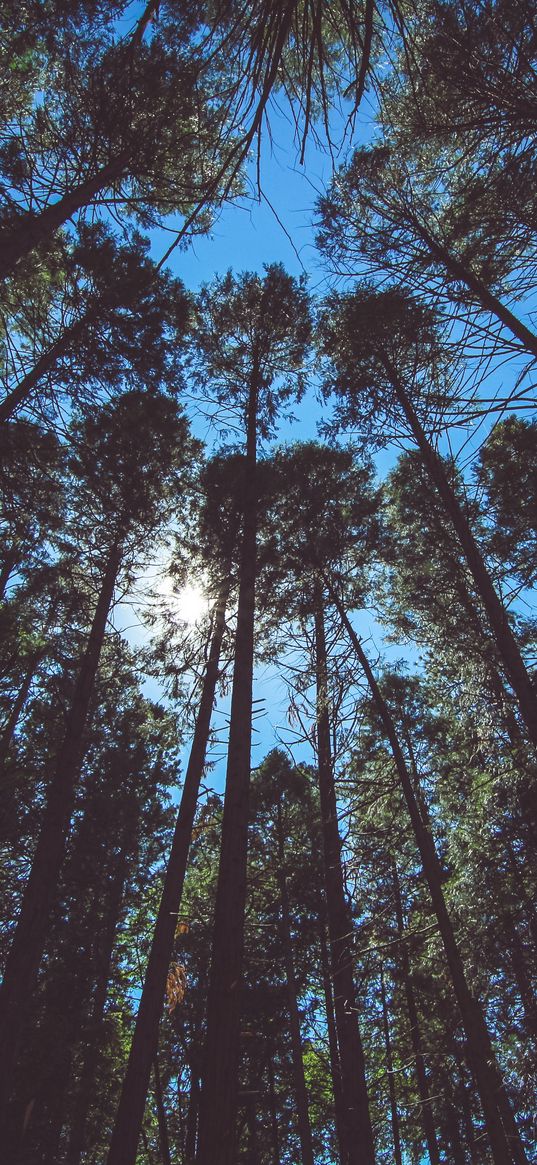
<point x="8" y="731"/>
<point x="86" y="1084"/>
<point x="274" y="1136"/>
<point x="129" y="1116"/>
<point x="357" y="1147"/>
<point x="219" y="1087"/>
<point x="30" y="934"/>
<point x="389" y="1071"/>
<point x="192" y="1119"/>
<point x="161" y="1117"/>
<point x="415" y="1033"/>
<point x="520" y="971"/>
<point x="252" y="1155"/>
<point x="335" y="1067"/>
<point x="505" y="640"/>
<point x="301" y="1096"/>
<point x="526" y="899"/>
<point x="502" y="1132"/>
<point x="19" y="395"/>
<point x="8" y="566"/>
<point x="30" y="230"/>
<point x="489" y="302"/>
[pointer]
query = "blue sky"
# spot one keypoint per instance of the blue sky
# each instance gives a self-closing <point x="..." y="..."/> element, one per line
<point x="277" y="227"/>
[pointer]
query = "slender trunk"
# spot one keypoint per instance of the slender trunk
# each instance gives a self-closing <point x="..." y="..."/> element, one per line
<point x="8" y="566"/>
<point x="219" y="1088"/>
<point x="30" y="230"/>
<point x="161" y="1117"/>
<point x="357" y="1147"/>
<point x="8" y="731"/>
<point x="489" y="302"/>
<point x="252" y="1156"/>
<point x="301" y="1096"/>
<point x="505" y="640"/>
<point x="520" y="972"/>
<point x="529" y="907"/>
<point x="192" y="1119"/>
<point x="335" y="1067"/>
<point x="389" y="1069"/>
<point x="129" y="1116"/>
<point x="274" y="1136"/>
<point x="19" y="395"/>
<point x="66" y="1030"/>
<point x="30" y="934"/>
<point x="415" y="1033"/>
<point x="86" y="1084"/>
<point x="502" y="1132"/>
<point x="465" y="1107"/>
<point x="453" y="1135"/>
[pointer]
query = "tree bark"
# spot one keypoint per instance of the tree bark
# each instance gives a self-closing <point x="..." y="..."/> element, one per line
<point x="19" y="395"/>
<point x="335" y="1067"/>
<point x="505" y="640"/>
<point x="219" y="1087"/>
<point x="502" y="1132"/>
<point x="8" y="731"/>
<point x="415" y="1033"/>
<point x="86" y="1084"/>
<point x="489" y="302"/>
<point x="8" y="566"/>
<point x="30" y="933"/>
<point x="358" y="1146"/>
<point x="192" y="1118"/>
<point x="129" y="1116"/>
<point x="161" y="1117"/>
<point x="396" y="1135"/>
<point x="301" y="1096"/>
<point x="274" y="1136"/>
<point x="520" y="972"/>
<point x="30" y="230"/>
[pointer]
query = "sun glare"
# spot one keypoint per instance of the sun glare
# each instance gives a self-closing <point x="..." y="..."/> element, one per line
<point x="192" y="603"/>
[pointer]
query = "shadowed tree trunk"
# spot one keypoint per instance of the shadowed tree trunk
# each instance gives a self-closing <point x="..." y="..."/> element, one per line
<point x="389" y="1071"/>
<point x="31" y="931"/>
<point x="274" y="1136"/>
<point x="415" y="1033"/>
<point x="502" y="1132"/>
<point x="357" y="1147"/>
<point x="8" y="731"/>
<point x="489" y="302"/>
<point x="521" y="976"/>
<point x="161" y="1117"/>
<point x="301" y="1096"/>
<point x="192" y="1118"/>
<point x="86" y="1084"/>
<point x="126" y="1132"/>
<point x="19" y="395"/>
<point x="30" y="230"/>
<point x="219" y="1088"/>
<point x="505" y="640"/>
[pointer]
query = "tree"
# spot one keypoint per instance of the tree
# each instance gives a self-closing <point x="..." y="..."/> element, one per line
<point x="252" y="339"/>
<point x="125" y="484"/>
<point x="501" y="1127"/>
<point x="402" y="220"/>
<point x="115" y="321"/>
<point x="323" y="497"/>
<point x="217" y="534"/>
<point x="387" y="362"/>
<point x="507" y="471"/>
<point x="149" y="156"/>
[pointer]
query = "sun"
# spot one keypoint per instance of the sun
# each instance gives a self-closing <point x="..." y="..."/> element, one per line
<point x="191" y="603"/>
